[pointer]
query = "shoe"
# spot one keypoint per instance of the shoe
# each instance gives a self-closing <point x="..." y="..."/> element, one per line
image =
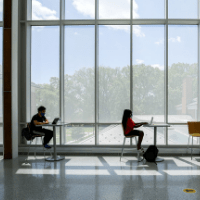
<point x="47" y="146"/>
<point x="140" y="150"/>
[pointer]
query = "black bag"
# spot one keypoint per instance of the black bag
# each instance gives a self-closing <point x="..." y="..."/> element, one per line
<point x="151" y="154"/>
<point x="26" y="132"/>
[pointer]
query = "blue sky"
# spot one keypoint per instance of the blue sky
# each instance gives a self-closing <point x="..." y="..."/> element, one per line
<point x="114" y="41"/>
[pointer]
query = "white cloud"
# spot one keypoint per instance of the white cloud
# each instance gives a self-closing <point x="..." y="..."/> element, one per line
<point x="177" y="39"/>
<point x="139" y="61"/>
<point x="137" y="31"/>
<point x="158" y="66"/>
<point x="86" y="7"/>
<point x="120" y="9"/>
<point x="159" y="42"/>
<point x="41" y="12"/>
<point x="75" y="33"/>
<point x="37" y="28"/>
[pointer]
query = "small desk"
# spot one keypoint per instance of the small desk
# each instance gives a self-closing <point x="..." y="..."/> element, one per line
<point x="54" y="157"/>
<point x="155" y="134"/>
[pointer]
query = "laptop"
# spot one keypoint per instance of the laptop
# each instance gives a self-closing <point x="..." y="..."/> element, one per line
<point x="55" y="120"/>
<point x="151" y="121"/>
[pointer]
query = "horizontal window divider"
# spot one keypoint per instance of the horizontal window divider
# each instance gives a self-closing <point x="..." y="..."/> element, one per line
<point x="177" y="123"/>
<point x="183" y="21"/>
<point x="78" y="22"/>
<point x="102" y="123"/>
<point x="111" y="146"/>
<point x="112" y="22"/>
<point x="44" y="23"/>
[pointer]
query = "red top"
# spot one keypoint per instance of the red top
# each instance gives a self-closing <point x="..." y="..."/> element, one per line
<point x="129" y="126"/>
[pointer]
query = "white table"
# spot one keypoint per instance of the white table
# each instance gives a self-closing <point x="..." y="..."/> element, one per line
<point x="155" y="134"/>
<point x="55" y="157"/>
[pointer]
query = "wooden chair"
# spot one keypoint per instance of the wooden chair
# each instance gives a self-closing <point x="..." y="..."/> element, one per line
<point x="138" y="154"/>
<point x="194" y="131"/>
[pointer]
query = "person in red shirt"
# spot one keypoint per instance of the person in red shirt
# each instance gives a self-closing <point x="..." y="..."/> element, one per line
<point x="129" y="128"/>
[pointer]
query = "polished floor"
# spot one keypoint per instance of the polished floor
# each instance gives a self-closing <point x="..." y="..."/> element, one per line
<point x="99" y="177"/>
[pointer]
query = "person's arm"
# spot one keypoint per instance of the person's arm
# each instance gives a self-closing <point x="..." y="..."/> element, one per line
<point x="46" y="121"/>
<point x="38" y="123"/>
<point x="137" y="125"/>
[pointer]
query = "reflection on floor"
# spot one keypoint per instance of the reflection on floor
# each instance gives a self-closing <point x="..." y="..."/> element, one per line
<point x="98" y="177"/>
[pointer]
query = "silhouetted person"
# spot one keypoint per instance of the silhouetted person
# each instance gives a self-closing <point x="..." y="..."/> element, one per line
<point x="129" y="128"/>
<point x="39" y="119"/>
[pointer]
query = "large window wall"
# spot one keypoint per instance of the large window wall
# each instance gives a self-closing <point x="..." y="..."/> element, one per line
<point x="92" y="60"/>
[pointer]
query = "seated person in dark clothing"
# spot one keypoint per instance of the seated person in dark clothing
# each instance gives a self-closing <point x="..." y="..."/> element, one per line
<point x="40" y="119"/>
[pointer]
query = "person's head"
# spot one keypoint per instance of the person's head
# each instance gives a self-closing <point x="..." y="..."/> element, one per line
<point x="42" y="110"/>
<point x="127" y="114"/>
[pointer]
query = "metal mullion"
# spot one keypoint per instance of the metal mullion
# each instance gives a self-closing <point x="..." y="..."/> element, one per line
<point x="61" y="69"/>
<point x="78" y="22"/>
<point x="198" y="81"/>
<point x="28" y="15"/>
<point x="131" y="60"/>
<point x="183" y="21"/>
<point x="44" y="22"/>
<point x="96" y="73"/>
<point x="198" y="87"/>
<point x="166" y="73"/>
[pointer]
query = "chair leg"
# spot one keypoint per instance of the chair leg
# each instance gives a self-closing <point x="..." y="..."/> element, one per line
<point x="35" y="147"/>
<point x="136" y="141"/>
<point x="123" y="148"/>
<point x="192" y="148"/>
<point x="44" y="150"/>
<point x="138" y="154"/>
<point x="28" y="152"/>
<point x="199" y="143"/>
<point x="188" y="143"/>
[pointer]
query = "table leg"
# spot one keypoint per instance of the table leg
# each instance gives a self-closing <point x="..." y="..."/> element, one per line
<point x="54" y="157"/>
<point x="155" y="134"/>
<point x="155" y="130"/>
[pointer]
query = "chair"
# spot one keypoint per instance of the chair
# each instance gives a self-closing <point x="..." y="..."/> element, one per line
<point x="37" y="135"/>
<point x="194" y="131"/>
<point x="138" y="154"/>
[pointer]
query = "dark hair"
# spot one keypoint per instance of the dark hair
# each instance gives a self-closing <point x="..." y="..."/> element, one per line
<point x="41" y="108"/>
<point x="127" y="114"/>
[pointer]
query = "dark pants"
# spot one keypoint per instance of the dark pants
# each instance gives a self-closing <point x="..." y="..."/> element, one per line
<point x="134" y="133"/>
<point x="48" y="135"/>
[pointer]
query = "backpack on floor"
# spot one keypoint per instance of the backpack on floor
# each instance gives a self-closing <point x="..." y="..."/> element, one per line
<point x="150" y="154"/>
<point x="26" y="132"/>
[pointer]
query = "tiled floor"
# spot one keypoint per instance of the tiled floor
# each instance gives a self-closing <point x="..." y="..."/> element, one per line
<point x="98" y="177"/>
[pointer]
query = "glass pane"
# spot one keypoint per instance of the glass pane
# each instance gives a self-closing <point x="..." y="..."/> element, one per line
<point x="45" y="9"/>
<point x="79" y="9"/>
<point x="38" y="141"/>
<point x="1" y="78"/>
<point x="148" y="9"/>
<point x="148" y="138"/>
<point x="178" y="135"/>
<point x="148" y="73"/>
<point x="183" y="9"/>
<point x="1" y="134"/>
<point x="79" y="74"/>
<point x="80" y="134"/>
<point x="182" y="73"/>
<point x="114" y="72"/>
<point x="45" y="70"/>
<point x="1" y="10"/>
<point x="114" y="9"/>
<point x="112" y="134"/>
